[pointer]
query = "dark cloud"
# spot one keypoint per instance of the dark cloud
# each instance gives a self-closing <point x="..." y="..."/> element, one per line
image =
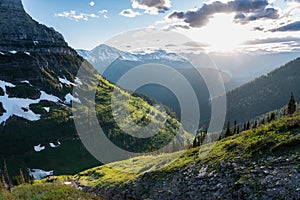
<point x="268" y="13"/>
<point x="258" y="29"/>
<point x="295" y="26"/>
<point x="159" y="6"/>
<point x="248" y="10"/>
<point x="273" y="40"/>
<point x="194" y="44"/>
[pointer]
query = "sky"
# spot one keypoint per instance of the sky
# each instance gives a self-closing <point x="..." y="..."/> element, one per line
<point x="214" y="26"/>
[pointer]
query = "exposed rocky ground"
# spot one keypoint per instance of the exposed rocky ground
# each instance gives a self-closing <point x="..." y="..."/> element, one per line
<point x="262" y="163"/>
<point x="267" y="178"/>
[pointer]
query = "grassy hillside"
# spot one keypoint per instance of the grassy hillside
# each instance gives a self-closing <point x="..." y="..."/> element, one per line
<point x="46" y="192"/>
<point x="242" y="157"/>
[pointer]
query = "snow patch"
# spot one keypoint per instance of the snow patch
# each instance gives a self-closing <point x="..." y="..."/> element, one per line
<point x="39" y="148"/>
<point x="69" y="98"/>
<point x="21" y="107"/>
<point x="66" y="81"/>
<point x="27" y="53"/>
<point x="2" y="53"/>
<point x="4" y="84"/>
<point x="52" y="145"/>
<point x="47" y="109"/>
<point x="38" y="174"/>
<point x="25" y="81"/>
<point x="48" y="97"/>
<point x="35" y="42"/>
<point x="13" y="52"/>
<point x="78" y="81"/>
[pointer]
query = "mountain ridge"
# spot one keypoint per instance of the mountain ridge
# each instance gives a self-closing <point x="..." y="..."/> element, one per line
<point x="38" y="74"/>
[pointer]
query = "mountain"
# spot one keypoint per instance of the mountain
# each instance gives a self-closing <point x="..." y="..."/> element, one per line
<point x="261" y="163"/>
<point x="83" y="53"/>
<point x="113" y="64"/>
<point x="239" y="68"/>
<point x="103" y="55"/>
<point x="264" y="94"/>
<point x="236" y="70"/>
<point x="38" y="75"/>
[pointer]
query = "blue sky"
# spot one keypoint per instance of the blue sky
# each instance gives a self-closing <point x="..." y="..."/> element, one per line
<point x="226" y="25"/>
<point x="88" y="34"/>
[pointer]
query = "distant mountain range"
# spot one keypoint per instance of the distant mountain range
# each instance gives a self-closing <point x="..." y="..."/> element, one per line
<point x="237" y="70"/>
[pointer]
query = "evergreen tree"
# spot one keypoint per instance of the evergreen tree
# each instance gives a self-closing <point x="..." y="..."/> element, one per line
<point x="22" y="178"/>
<point x="195" y="142"/>
<point x="255" y="124"/>
<point x="272" y="116"/>
<point x="6" y="177"/>
<point x="291" y="109"/>
<point x="228" y="130"/>
<point x="245" y="127"/>
<point x="248" y="126"/>
<point x="235" y="128"/>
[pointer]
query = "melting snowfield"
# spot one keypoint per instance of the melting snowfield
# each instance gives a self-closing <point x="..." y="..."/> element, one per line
<point x="39" y="148"/>
<point x="21" y="107"/>
<point x="38" y="174"/>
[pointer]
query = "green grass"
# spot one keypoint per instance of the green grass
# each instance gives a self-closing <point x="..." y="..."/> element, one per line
<point x="46" y="192"/>
<point x="275" y="139"/>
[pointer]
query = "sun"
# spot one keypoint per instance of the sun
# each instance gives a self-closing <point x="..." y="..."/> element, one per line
<point x="221" y="34"/>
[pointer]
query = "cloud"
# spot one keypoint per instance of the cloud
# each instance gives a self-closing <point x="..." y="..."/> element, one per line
<point x="268" y="13"/>
<point x="247" y="10"/>
<point x="194" y="44"/>
<point x="152" y="6"/>
<point x="104" y="13"/>
<point x="77" y="17"/>
<point x="294" y="0"/>
<point x="295" y="26"/>
<point x="92" y="3"/>
<point x="273" y="40"/>
<point x="257" y="28"/>
<point x="129" y="13"/>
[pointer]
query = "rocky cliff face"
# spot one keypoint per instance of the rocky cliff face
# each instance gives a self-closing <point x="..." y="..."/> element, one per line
<point x="19" y="32"/>
<point x="35" y="61"/>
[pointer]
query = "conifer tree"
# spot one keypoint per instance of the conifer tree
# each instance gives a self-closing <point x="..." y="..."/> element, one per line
<point x="228" y="130"/>
<point x="22" y="178"/>
<point x="248" y="125"/>
<point x="291" y="109"/>
<point x="235" y="128"/>
<point x="6" y="177"/>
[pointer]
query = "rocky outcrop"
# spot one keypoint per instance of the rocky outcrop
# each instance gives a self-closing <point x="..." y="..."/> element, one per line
<point x="19" y="32"/>
<point x="267" y="178"/>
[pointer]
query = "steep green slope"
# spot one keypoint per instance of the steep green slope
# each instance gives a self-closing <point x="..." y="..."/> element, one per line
<point x="258" y="163"/>
<point x="266" y="93"/>
<point x="38" y="74"/>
